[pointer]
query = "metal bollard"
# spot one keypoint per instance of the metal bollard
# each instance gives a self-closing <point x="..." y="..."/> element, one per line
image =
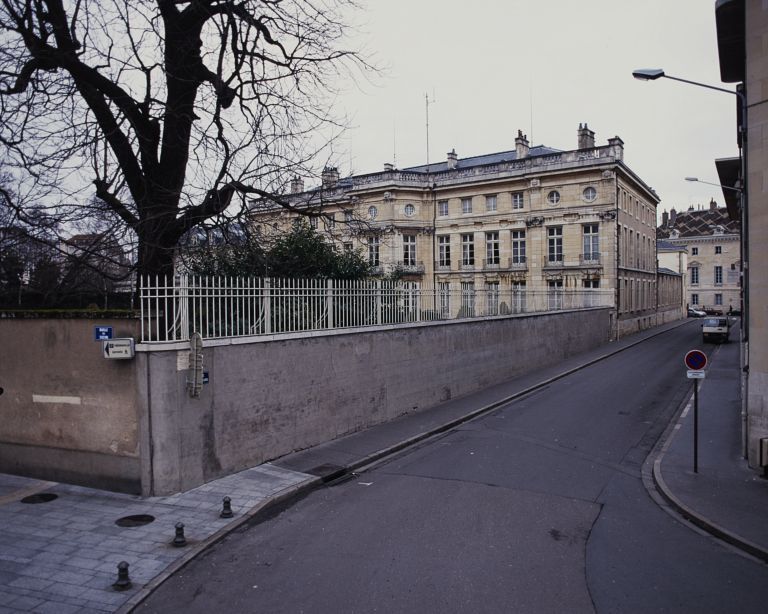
<point x="179" y="540"/>
<point x="226" y="511"/>
<point x="123" y="580"/>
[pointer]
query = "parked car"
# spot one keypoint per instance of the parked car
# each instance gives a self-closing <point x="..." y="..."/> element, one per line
<point x="696" y="313"/>
<point x="716" y="329"/>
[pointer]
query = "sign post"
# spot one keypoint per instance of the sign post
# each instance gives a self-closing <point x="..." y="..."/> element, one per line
<point x="696" y="360"/>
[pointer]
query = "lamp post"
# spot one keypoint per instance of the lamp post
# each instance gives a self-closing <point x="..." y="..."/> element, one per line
<point x="651" y="74"/>
<point x="718" y="185"/>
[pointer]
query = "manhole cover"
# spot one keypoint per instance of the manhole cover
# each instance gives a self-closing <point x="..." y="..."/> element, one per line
<point x="41" y="497"/>
<point x="138" y="520"/>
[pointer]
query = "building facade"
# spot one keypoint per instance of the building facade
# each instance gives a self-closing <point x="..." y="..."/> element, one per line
<point x="533" y="221"/>
<point x="713" y="256"/>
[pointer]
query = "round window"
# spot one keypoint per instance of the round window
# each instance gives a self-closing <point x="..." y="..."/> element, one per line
<point x="589" y="194"/>
<point x="372" y="212"/>
<point x="553" y="197"/>
<point x="410" y="210"/>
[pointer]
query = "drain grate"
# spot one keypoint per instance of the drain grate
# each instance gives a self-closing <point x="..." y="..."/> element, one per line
<point x="41" y="497"/>
<point x="137" y="520"/>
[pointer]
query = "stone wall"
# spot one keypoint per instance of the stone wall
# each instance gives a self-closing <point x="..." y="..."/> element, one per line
<point x="267" y="398"/>
<point x="67" y="413"/>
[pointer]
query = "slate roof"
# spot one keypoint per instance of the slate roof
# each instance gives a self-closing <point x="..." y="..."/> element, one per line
<point x="494" y="158"/>
<point x="666" y="245"/>
<point x="699" y="223"/>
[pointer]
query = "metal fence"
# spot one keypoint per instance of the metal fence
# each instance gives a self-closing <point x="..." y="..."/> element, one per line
<point x="219" y="307"/>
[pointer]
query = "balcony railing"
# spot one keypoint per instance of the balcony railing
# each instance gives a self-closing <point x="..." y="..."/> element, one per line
<point x="466" y="266"/>
<point x="492" y="264"/>
<point x="518" y="262"/>
<point x="590" y="258"/>
<point x="410" y="267"/>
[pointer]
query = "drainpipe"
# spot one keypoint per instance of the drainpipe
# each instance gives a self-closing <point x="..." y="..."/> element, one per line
<point x="433" y="188"/>
<point x="618" y="237"/>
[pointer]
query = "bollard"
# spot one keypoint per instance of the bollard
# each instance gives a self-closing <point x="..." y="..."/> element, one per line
<point x="179" y="540"/>
<point x="226" y="511"/>
<point x="123" y="580"/>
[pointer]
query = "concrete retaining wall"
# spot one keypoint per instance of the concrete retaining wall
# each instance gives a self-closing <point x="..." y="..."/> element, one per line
<point x="267" y="398"/>
<point x="66" y="413"/>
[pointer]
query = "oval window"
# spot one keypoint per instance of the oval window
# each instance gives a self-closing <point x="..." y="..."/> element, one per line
<point x="589" y="194"/>
<point x="553" y="197"/>
<point x="410" y="210"/>
<point x="372" y="212"/>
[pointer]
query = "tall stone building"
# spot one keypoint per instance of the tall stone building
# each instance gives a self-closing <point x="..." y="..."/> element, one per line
<point x="712" y="238"/>
<point x="516" y="224"/>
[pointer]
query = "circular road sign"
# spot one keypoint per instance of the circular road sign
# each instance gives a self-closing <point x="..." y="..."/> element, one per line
<point x="696" y="360"/>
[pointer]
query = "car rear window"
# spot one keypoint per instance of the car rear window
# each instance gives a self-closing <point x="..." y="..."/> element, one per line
<point x="715" y="322"/>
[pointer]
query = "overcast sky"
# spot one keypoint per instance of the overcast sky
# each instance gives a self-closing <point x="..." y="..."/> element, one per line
<point x="543" y="66"/>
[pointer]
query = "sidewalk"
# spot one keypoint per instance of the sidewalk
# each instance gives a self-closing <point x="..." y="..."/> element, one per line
<point x="725" y="497"/>
<point x="61" y="556"/>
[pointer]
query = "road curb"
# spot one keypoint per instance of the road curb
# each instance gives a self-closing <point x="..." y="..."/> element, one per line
<point x="690" y="514"/>
<point x="314" y="482"/>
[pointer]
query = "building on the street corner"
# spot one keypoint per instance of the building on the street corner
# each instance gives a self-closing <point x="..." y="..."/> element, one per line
<point x="741" y="28"/>
<point x="530" y="220"/>
<point x="712" y="244"/>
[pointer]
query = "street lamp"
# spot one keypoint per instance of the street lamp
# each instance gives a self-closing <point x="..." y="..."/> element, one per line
<point x="651" y="74"/>
<point x="719" y="185"/>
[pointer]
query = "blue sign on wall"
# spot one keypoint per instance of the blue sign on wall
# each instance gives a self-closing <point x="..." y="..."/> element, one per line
<point x="102" y="332"/>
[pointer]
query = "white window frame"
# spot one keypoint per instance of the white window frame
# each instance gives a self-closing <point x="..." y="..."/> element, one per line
<point x="492" y="250"/>
<point x="467" y="250"/>
<point x="442" y="208"/>
<point x="466" y="205"/>
<point x="491" y="202"/>
<point x="518" y="200"/>
<point x="373" y="251"/>
<point x="518" y="247"/>
<point x="444" y="250"/>
<point x="409" y="250"/>
<point x="555" y="244"/>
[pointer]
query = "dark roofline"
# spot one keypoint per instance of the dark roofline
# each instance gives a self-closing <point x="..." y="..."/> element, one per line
<point x="730" y="22"/>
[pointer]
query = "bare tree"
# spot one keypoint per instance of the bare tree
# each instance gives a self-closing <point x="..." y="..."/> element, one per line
<point x="170" y="112"/>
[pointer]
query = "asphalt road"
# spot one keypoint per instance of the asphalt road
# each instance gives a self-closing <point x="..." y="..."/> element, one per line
<point x="537" y="507"/>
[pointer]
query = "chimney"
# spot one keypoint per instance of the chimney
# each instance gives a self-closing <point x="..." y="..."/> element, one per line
<point x="617" y="146"/>
<point x="297" y="185"/>
<point x="388" y="167"/>
<point x="712" y="204"/>
<point x="453" y="159"/>
<point x="330" y="176"/>
<point x="664" y="219"/>
<point x="586" y="137"/>
<point x="521" y="145"/>
<point x="672" y="216"/>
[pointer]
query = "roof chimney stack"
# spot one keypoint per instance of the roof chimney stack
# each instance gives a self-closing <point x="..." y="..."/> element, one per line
<point x="388" y="167"/>
<point x="453" y="159"/>
<point x="664" y="219"/>
<point x="297" y="185"/>
<point x="586" y="137"/>
<point x="521" y="145"/>
<point x="712" y="204"/>
<point x="672" y="216"/>
<point x="330" y="176"/>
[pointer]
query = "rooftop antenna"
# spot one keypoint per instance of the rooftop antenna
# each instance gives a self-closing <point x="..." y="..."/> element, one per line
<point x="428" y="101"/>
<point x="530" y="107"/>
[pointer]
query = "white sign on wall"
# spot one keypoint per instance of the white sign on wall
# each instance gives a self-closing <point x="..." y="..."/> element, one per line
<point x="119" y="348"/>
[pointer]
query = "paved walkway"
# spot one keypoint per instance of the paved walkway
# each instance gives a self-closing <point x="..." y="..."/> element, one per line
<point x="61" y="556"/>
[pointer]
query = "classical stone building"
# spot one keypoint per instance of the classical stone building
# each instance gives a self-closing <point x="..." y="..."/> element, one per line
<point x="514" y="225"/>
<point x="712" y="280"/>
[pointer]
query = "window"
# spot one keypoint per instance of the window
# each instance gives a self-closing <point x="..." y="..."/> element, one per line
<point x="694" y="251"/>
<point x="518" y="247"/>
<point x="518" y="296"/>
<point x="442" y="208"/>
<point x="444" y="291"/>
<point x="492" y="298"/>
<point x="492" y="248"/>
<point x="718" y="249"/>
<point x="590" y="297"/>
<point x="718" y="275"/>
<point x="490" y="203"/>
<point x="330" y="221"/>
<point x="372" y="212"/>
<point x="694" y="275"/>
<point x="348" y="215"/>
<point x="718" y="299"/>
<point x="467" y="250"/>
<point x="555" y="244"/>
<point x="466" y="205"/>
<point x="409" y="209"/>
<point x="313" y="221"/>
<point x="589" y="194"/>
<point x="373" y="251"/>
<point x="591" y="243"/>
<point x="467" y="299"/>
<point x="518" y="202"/>
<point x="444" y="250"/>
<point x="555" y="294"/>
<point x="409" y="250"/>
<point x="694" y="299"/>
<point x="348" y="248"/>
<point x="553" y="197"/>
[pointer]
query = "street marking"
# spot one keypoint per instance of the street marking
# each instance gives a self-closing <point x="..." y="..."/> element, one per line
<point x="45" y="398"/>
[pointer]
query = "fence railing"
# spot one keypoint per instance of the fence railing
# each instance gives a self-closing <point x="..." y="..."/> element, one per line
<point x="219" y="307"/>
